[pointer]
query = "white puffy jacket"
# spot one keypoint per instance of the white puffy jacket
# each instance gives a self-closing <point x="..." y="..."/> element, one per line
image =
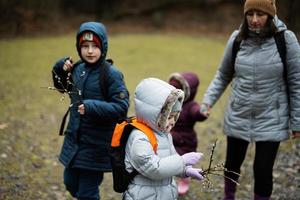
<point x="153" y="102"/>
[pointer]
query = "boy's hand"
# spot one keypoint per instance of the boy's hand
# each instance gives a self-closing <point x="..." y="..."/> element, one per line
<point x="68" y="65"/>
<point x="191" y="158"/>
<point x="81" y="109"/>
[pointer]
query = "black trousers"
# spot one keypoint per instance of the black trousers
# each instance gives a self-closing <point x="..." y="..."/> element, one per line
<point x="265" y="154"/>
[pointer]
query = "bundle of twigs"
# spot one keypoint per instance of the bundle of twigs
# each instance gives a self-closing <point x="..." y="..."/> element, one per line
<point x="216" y="170"/>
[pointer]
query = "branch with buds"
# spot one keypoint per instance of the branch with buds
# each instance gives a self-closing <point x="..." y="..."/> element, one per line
<point x="65" y="89"/>
<point x="216" y="170"/>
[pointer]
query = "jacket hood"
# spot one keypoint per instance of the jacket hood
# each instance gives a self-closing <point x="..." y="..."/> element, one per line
<point x="154" y="100"/>
<point x="279" y="24"/>
<point x="98" y="29"/>
<point x="189" y="82"/>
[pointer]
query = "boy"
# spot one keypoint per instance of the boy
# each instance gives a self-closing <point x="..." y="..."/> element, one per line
<point x="157" y="105"/>
<point x="94" y="111"/>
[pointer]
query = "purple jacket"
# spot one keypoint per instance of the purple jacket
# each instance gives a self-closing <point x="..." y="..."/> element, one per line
<point x="184" y="135"/>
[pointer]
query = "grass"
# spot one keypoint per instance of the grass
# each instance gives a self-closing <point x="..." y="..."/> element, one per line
<point x="30" y="115"/>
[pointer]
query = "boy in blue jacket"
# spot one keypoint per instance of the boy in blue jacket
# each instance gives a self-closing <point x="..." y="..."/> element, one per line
<point x="99" y="98"/>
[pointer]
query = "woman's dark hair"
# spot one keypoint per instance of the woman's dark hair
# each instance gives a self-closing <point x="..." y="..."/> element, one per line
<point x="268" y="31"/>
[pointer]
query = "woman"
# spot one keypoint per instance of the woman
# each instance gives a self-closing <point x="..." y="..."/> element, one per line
<point x="264" y="105"/>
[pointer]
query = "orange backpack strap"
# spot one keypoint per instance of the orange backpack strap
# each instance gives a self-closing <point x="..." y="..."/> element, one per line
<point x="147" y="131"/>
<point x="119" y="129"/>
<point x="117" y="134"/>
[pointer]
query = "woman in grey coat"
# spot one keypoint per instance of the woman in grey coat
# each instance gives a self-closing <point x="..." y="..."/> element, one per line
<point x="157" y="105"/>
<point x="265" y="101"/>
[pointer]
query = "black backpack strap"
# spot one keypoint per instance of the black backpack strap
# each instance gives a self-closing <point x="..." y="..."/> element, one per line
<point x="102" y="81"/>
<point x="235" y="48"/>
<point x="281" y="47"/>
<point x="103" y="77"/>
<point x="63" y="122"/>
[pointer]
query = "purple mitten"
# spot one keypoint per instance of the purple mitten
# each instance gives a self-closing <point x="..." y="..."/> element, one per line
<point x="194" y="173"/>
<point x="191" y="158"/>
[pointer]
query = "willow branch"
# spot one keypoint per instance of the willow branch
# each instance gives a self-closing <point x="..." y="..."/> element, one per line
<point x="215" y="169"/>
<point x="66" y="89"/>
<point x="212" y="155"/>
<point x="215" y="174"/>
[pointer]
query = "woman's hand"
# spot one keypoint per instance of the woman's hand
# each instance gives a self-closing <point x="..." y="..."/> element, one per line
<point x="205" y="109"/>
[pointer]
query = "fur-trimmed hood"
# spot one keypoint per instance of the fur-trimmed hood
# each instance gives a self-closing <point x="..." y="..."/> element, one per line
<point x="189" y="82"/>
<point x="154" y="100"/>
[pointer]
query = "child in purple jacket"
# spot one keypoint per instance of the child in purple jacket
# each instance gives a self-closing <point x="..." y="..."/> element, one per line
<point x="184" y="135"/>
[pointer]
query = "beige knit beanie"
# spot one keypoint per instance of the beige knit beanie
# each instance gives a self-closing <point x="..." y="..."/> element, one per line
<point x="267" y="6"/>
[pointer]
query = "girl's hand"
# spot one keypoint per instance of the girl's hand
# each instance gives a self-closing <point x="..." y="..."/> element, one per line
<point x="191" y="158"/>
<point x="193" y="173"/>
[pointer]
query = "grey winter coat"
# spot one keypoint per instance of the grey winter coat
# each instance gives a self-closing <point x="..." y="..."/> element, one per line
<point x="258" y="108"/>
<point x="153" y="102"/>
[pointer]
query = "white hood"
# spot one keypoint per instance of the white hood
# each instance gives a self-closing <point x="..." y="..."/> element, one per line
<point x="154" y="100"/>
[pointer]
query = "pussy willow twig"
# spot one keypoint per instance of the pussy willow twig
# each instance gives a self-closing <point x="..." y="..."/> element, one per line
<point x="60" y="90"/>
<point x="212" y="155"/>
<point x="214" y="170"/>
<point x="65" y="89"/>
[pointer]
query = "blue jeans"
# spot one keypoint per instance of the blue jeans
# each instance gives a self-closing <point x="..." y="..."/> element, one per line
<point x="83" y="184"/>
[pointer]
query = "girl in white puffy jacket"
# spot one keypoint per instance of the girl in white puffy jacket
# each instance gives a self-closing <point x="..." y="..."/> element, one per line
<point x="157" y="105"/>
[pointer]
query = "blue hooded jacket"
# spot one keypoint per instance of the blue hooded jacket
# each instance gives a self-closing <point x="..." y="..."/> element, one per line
<point x="88" y="136"/>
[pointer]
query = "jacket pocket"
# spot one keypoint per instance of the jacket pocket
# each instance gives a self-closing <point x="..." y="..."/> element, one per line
<point x="268" y="116"/>
<point x="239" y="109"/>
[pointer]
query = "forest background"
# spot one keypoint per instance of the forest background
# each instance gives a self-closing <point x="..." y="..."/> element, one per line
<point x="35" y="17"/>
